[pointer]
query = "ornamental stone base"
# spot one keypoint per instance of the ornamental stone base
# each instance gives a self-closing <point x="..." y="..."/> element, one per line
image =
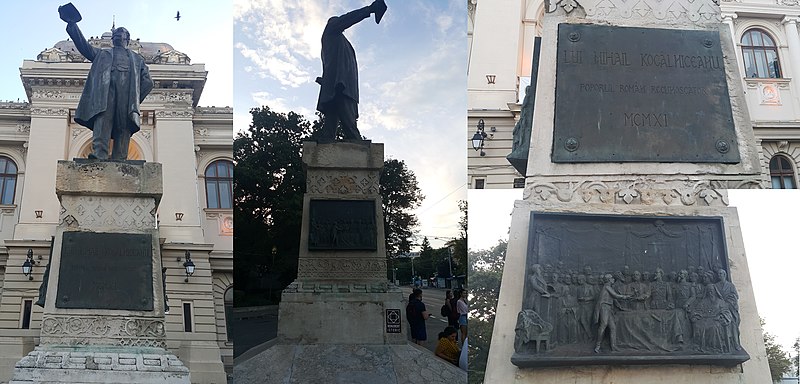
<point x="100" y="365"/>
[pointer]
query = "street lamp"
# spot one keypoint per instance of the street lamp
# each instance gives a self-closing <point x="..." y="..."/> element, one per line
<point x="27" y="266"/>
<point x="478" y="137"/>
<point x="188" y="265"/>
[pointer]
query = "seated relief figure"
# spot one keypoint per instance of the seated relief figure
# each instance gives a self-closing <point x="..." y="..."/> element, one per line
<point x="710" y="318"/>
<point x="531" y="326"/>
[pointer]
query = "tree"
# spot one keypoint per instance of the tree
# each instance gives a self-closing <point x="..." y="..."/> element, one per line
<point x="778" y="359"/>
<point x="485" y="273"/>
<point x="400" y="194"/>
<point x="268" y="189"/>
<point x="459" y="244"/>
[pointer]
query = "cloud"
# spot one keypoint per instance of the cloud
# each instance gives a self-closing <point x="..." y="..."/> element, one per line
<point x="280" y="38"/>
<point x="280" y="104"/>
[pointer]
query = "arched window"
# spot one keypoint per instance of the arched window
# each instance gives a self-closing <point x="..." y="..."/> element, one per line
<point x="781" y="173"/>
<point x="760" y="55"/>
<point x="219" y="184"/>
<point x="8" y="180"/>
<point x="228" y="298"/>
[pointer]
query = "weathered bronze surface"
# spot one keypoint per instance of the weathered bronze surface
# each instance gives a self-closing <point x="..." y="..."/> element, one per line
<point x="627" y="290"/>
<point x="641" y="95"/>
<point x="106" y="271"/>
<point x="342" y="225"/>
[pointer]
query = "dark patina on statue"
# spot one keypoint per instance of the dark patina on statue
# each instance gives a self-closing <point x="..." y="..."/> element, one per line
<point x="338" y="94"/>
<point x="627" y="290"/>
<point x="118" y="82"/>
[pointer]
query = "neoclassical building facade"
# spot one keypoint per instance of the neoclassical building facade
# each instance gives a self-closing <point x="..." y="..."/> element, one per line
<point x="501" y="39"/>
<point x="194" y="146"/>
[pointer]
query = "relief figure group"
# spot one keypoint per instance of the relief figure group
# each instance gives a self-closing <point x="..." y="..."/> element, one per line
<point x="694" y="310"/>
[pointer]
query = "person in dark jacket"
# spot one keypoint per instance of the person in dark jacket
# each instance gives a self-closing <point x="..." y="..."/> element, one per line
<point x="338" y="94"/>
<point x="118" y="82"/>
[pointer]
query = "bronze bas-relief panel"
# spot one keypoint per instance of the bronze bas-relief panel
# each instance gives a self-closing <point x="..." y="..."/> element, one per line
<point x="106" y="271"/>
<point x="627" y="94"/>
<point x="603" y="289"/>
<point x="342" y="225"/>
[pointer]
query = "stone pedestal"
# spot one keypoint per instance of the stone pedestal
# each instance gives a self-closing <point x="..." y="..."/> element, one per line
<point x="341" y="321"/>
<point x="341" y="271"/>
<point x="623" y="93"/>
<point x="103" y="319"/>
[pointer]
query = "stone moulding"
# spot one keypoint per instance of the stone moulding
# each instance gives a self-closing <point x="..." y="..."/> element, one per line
<point x="62" y="366"/>
<point x="696" y="11"/>
<point x="341" y="268"/>
<point x="102" y="212"/>
<point x="339" y="287"/>
<point x="343" y="182"/>
<point x="103" y="330"/>
<point x="636" y="192"/>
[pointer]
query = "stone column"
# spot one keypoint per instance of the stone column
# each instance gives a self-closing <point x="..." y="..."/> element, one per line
<point x="174" y="147"/>
<point x="497" y="36"/>
<point x="793" y="40"/>
<point x="49" y="133"/>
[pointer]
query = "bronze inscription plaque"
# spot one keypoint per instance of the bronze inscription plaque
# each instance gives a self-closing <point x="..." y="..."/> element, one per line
<point x="641" y="95"/>
<point x="106" y="271"/>
<point x="342" y="225"/>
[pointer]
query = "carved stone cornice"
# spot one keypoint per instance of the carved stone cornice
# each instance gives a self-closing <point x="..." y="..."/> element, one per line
<point x="637" y="192"/>
<point x="213" y="110"/>
<point x="183" y="96"/>
<point x="55" y="82"/>
<point x="696" y="11"/>
<point x="343" y="182"/>
<point x="329" y="287"/>
<point x="49" y="111"/>
<point x="129" y="331"/>
<point x="177" y="114"/>
<point x="347" y="268"/>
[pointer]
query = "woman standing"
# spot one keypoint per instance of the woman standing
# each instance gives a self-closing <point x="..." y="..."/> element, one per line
<point x="461" y="307"/>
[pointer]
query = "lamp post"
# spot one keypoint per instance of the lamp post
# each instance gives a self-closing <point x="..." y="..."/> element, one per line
<point x="188" y="265"/>
<point x="27" y="266"/>
<point x="478" y="137"/>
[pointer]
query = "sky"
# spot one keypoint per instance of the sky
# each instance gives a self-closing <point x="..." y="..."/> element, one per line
<point x="767" y="219"/>
<point x="204" y="33"/>
<point x="412" y="74"/>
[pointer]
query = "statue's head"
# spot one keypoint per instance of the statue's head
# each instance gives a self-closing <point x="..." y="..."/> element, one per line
<point x="120" y="37"/>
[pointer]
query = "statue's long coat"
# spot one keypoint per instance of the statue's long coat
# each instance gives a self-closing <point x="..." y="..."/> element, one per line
<point x="339" y="67"/>
<point x="94" y="98"/>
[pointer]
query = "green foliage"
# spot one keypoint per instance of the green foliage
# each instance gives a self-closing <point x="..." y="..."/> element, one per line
<point x="459" y="245"/>
<point x="268" y="189"/>
<point x="779" y="361"/>
<point x="400" y="194"/>
<point x="485" y="273"/>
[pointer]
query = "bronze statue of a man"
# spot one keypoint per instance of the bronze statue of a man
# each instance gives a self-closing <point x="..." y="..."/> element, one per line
<point x="118" y="82"/>
<point x="338" y="94"/>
